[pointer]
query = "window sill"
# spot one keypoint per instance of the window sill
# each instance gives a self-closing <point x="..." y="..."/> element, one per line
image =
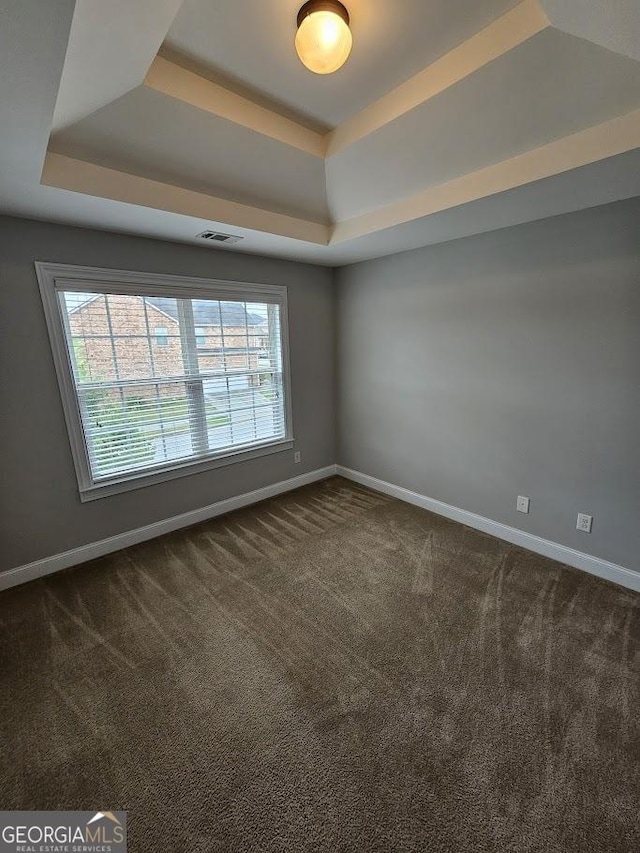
<point x="181" y="469"/>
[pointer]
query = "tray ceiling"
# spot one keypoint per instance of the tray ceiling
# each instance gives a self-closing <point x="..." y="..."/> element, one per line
<point x="450" y="119"/>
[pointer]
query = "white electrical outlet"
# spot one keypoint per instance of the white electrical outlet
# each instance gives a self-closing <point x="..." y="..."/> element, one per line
<point x="296" y="457"/>
<point x="585" y="522"/>
<point x="522" y="504"/>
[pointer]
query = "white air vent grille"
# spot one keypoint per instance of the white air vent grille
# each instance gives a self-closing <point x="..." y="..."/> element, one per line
<point x="217" y="237"/>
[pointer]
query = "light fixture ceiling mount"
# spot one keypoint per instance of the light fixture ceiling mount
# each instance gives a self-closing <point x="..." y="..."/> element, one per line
<point x="323" y="40"/>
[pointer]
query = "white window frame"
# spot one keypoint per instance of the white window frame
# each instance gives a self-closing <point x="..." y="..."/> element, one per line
<point x="54" y="277"/>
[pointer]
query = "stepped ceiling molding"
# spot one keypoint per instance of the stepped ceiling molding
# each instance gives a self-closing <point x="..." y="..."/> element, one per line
<point x="166" y="118"/>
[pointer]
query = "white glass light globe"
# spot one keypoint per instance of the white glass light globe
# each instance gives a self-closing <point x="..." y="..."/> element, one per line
<point x="323" y="42"/>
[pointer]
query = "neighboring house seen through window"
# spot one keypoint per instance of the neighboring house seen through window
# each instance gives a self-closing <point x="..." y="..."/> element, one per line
<point x="160" y="376"/>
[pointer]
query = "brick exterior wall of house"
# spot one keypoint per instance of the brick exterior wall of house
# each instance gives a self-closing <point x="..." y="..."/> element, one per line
<point x="151" y="344"/>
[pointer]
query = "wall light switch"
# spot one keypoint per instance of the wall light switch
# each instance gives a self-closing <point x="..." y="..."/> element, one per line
<point x="296" y="457"/>
<point x="585" y="523"/>
<point x="522" y="504"/>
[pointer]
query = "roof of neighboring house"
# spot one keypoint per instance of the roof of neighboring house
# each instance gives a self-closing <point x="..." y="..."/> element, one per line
<point x="77" y="301"/>
<point x="207" y="313"/>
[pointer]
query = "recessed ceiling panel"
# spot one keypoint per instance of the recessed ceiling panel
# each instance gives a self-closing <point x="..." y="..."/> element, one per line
<point x="110" y="48"/>
<point x="251" y="42"/>
<point x="31" y="64"/>
<point x="600" y="183"/>
<point x="157" y="137"/>
<point x="551" y="86"/>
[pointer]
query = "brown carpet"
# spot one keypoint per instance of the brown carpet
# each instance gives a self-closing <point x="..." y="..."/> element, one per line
<point x="331" y="670"/>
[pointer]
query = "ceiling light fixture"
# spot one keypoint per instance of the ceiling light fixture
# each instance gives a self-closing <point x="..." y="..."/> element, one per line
<point x="323" y="40"/>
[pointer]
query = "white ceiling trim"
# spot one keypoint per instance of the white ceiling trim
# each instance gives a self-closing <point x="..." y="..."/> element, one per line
<point x="176" y="82"/>
<point x="606" y="140"/>
<point x="90" y="179"/>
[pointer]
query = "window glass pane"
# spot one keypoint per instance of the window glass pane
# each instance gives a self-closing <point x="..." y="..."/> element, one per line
<point x="89" y="337"/>
<point x="162" y="336"/>
<point x="162" y="380"/>
<point x="133" y="357"/>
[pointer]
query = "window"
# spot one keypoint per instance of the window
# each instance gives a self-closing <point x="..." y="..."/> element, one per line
<point x="144" y="399"/>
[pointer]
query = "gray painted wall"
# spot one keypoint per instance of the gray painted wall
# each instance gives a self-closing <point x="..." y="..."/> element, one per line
<point x="500" y="365"/>
<point x="470" y="372"/>
<point x="40" y="511"/>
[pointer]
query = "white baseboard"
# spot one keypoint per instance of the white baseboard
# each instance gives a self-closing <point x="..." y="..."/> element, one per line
<point x="561" y="553"/>
<point x="48" y="565"/>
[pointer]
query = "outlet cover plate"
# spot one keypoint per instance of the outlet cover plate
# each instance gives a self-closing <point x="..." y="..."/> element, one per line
<point x="522" y="504"/>
<point x="585" y="522"/>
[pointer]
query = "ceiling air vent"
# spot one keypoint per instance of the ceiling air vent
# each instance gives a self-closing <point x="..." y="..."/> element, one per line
<point x="216" y="237"/>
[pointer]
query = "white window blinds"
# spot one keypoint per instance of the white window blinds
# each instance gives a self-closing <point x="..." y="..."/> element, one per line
<point x="167" y="375"/>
